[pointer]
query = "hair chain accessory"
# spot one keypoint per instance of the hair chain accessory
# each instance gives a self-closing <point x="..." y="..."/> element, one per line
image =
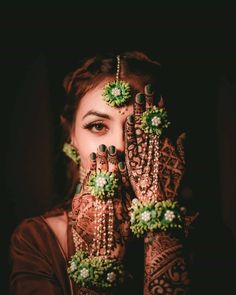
<point x="116" y="93"/>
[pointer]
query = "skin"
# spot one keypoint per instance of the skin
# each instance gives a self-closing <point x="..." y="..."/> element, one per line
<point x="165" y="264"/>
<point x="98" y="124"/>
<point x="105" y="125"/>
<point x="165" y="267"/>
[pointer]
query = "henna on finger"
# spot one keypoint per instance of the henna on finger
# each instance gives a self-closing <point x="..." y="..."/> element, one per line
<point x="130" y="138"/>
<point x="124" y="174"/>
<point x="112" y="159"/>
<point x="149" y="94"/>
<point x="102" y="158"/>
<point x="93" y="163"/>
<point x="139" y="108"/>
<point x="91" y="214"/>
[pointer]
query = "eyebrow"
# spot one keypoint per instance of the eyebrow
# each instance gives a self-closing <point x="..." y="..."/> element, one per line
<point x="95" y="113"/>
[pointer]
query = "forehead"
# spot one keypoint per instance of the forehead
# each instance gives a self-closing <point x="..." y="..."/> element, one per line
<point x="93" y="100"/>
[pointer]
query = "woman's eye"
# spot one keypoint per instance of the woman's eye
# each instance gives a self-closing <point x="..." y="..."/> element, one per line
<point x="100" y="128"/>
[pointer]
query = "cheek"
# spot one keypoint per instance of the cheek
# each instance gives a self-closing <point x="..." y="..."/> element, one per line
<point x="85" y="147"/>
<point x="87" y="143"/>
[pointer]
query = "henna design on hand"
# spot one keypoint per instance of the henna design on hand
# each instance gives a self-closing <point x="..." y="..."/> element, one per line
<point x="170" y="161"/>
<point x="83" y="205"/>
<point x="165" y="264"/>
<point x="171" y="167"/>
<point x="165" y="270"/>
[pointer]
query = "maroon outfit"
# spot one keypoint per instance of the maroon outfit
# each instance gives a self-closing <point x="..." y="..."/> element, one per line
<point x="39" y="264"/>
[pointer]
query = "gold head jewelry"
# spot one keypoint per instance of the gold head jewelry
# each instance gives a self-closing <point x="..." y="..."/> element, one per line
<point x="117" y="92"/>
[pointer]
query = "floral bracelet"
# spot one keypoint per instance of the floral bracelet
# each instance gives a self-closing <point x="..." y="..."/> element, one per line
<point x="95" y="271"/>
<point x="150" y="216"/>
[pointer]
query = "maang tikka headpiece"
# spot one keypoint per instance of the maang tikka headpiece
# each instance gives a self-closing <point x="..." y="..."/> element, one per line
<point x="116" y="93"/>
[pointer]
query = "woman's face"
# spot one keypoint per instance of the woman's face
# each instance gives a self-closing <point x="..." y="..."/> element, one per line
<point x="98" y="123"/>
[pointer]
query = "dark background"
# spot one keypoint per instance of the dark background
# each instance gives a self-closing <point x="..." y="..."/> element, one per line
<point x="196" y="48"/>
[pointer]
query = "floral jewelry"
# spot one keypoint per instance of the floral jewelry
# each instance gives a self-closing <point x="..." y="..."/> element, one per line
<point x="92" y="265"/>
<point x="117" y="92"/>
<point x="103" y="184"/>
<point x="95" y="271"/>
<point x="163" y="215"/>
<point x="71" y="152"/>
<point x="154" y="120"/>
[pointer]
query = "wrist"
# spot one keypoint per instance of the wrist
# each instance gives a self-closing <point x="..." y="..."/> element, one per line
<point x="152" y="216"/>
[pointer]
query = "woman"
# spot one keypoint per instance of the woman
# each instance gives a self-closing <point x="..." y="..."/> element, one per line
<point x="122" y="231"/>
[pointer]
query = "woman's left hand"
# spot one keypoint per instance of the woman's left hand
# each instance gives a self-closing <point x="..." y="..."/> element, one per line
<point x="85" y="210"/>
<point x="155" y="166"/>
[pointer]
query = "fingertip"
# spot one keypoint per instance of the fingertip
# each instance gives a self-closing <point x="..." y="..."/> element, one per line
<point x="148" y="89"/>
<point x="102" y="148"/>
<point x="121" y="166"/>
<point x="183" y="135"/>
<point x="130" y="119"/>
<point x="112" y="150"/>
<point x="92" y="156"/>
<point x="140" y="98"/>
<point x="78" y="188"/>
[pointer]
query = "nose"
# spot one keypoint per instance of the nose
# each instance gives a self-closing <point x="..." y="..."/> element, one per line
<point x="119" y="141"/>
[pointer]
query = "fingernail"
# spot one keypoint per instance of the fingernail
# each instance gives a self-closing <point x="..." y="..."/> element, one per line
<point x="149" y="89"/>
<point x="131" y="119"/>
<point x="78" y="188"/>
<point x="112" y="150"/>
<point x="121" y="165"/>
<point x="102" y="147"/>
<point x="140" y="98"/>
<point x="92" y="156"/>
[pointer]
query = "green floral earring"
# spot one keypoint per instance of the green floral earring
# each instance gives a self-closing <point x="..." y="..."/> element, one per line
<point x="71" y="152"/>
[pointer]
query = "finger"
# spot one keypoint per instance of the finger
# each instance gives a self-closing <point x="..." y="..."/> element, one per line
<point x="139" y="108"/>
<point x="92" y="163"/>
<point x="112" y="159"/>
<point x="161" y="103"/>
<point x="92" y="168"/>
<point x="180" y="145"/>
<point x="149" y="94"/>
<point x="102" y="158"/>
<point x="130" y="138"/>
<point x="124" y="174"/>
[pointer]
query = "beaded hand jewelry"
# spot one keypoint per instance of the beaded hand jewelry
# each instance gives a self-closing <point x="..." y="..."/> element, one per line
<point x="95" y="267"/>
<point x="147" y="213"/>
<point x="116" y="93"/>
<point x="153" y="121"/>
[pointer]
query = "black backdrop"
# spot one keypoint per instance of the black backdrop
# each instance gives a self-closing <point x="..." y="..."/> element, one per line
<point x="197" y="50"/>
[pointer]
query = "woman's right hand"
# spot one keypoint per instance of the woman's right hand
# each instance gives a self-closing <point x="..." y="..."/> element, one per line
<point x="83" y="204"/>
